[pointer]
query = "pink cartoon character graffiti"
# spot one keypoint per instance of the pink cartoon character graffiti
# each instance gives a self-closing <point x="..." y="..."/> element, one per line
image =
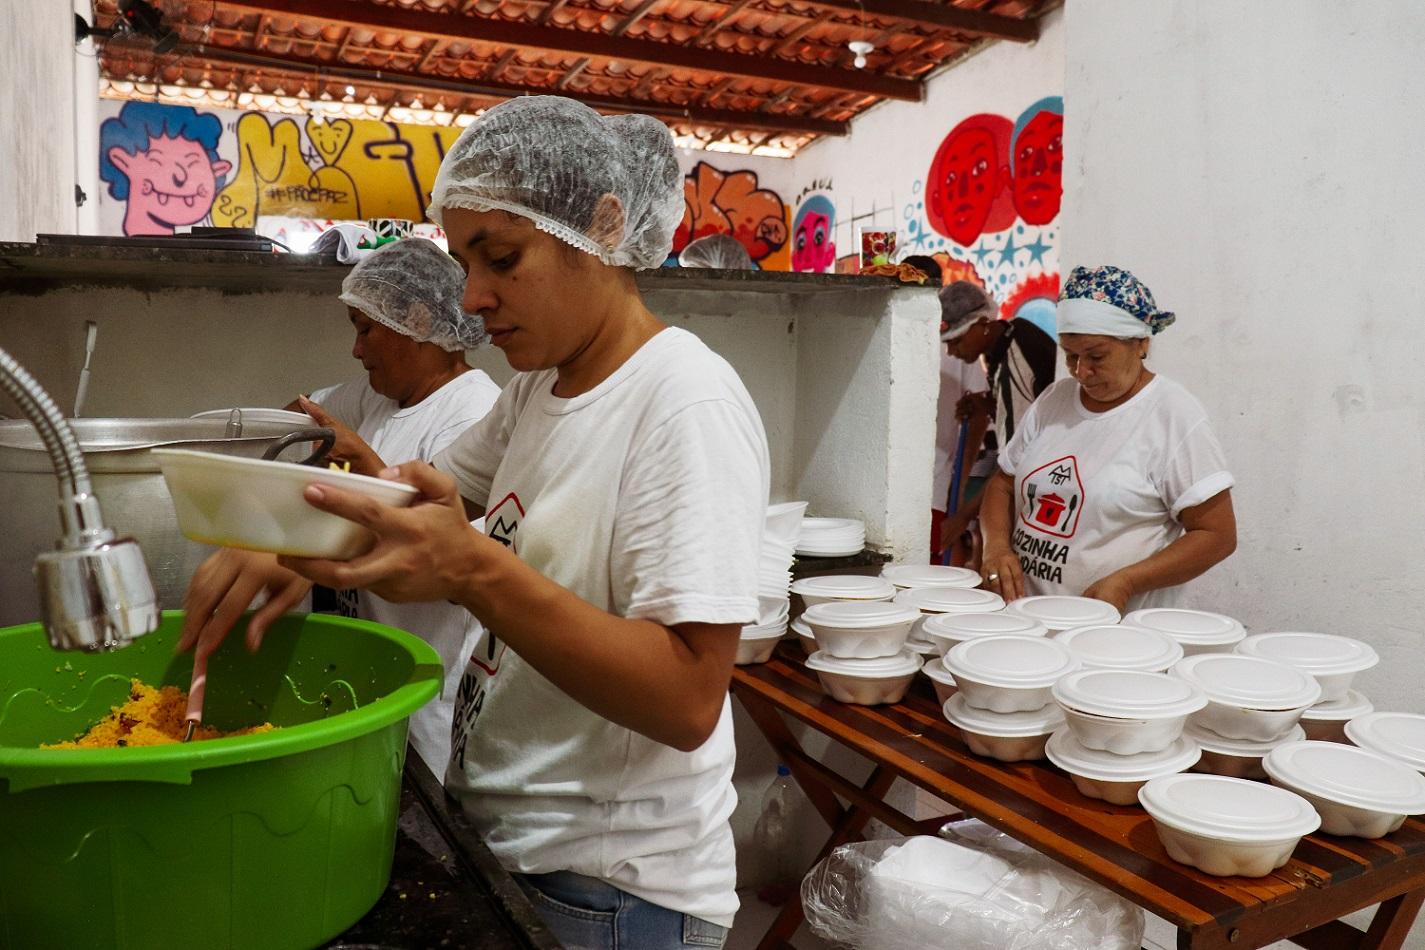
<point x="163" y="161"/>
<point x="813" y="250"/>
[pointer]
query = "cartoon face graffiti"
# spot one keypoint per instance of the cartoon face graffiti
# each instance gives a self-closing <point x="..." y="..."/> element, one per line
<point x="1037" y="161"/>
<point x="967" y="180"/>
<point x="719" y="202"/>
<point x="813" y="250"/>
<point x="163" y="160"/>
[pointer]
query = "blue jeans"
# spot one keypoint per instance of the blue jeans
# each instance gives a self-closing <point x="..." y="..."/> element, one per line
<point x="587" y="914"/>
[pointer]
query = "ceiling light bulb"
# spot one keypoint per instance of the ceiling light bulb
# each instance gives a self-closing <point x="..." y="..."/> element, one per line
<point x="860" y="48"/>
<point x="351" y="90"/>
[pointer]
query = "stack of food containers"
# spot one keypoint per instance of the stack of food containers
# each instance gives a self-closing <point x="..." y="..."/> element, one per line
<point x="1060" y="613"/>
<point x="1196" y="631"/>
<point x="1334" y="662"/>
<point x="774" y="576"/>
<point x="946" y="631"/>
<point x="860" y="636"/>
<point x="831" y="537"/>
<point x="933" y="602"/>
<point x="1002" y="705"/>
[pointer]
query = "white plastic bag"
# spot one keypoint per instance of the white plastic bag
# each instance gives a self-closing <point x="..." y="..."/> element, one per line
<point x="970" y="889"/>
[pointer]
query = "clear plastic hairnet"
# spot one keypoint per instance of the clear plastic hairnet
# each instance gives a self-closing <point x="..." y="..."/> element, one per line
<point x="717" y="250"/>
<point x="608" y="185"/>
<point x="414" y="287"/>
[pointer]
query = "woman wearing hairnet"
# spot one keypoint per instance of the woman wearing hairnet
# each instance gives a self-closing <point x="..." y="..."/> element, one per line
<point x="418" y="394"/>
<point x="624" y="477"/>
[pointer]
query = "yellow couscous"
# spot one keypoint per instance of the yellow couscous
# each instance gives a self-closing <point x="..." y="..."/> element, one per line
<point x="149" y="717"/>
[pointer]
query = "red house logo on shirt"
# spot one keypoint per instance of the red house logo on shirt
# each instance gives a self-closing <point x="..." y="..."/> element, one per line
<point x="1051" y="498"/>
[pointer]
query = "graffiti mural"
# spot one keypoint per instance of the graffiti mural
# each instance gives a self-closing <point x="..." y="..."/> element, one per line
<point x="723" y="202"/>
<point x="1036" y="161"/>
<point x="162" y="163"/>
<point x="813" y="225"/>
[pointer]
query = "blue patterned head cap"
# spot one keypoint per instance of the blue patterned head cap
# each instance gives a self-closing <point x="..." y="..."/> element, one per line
<point x="1109" y="301"/>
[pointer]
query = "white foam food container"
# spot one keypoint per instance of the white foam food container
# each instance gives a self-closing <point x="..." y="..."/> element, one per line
<point x="930" y="575"/>
<point x="1238" y="758"/>
<point x="756" y="649"/>
<point x="831" y="537"/>
<point x="938" y="601"/>
<point x="922" y="647"/>
<point x="948" y="631"/>
<point x="1333" y="660"/>
<point x="1248" y="698"/>
<point x="1197" y="631"/>
<point x="1060" y="613"/>
<point x="1358" y="793"/>
<point x="1401" y="736"/>
<point x="824" y="588"/>
<point x="804" y="634"/>
<point x="934" y="670"/>
<point x="1007" y="737"/>
<point x="860" y="630"/>
<point x="1116" y="778"/>
<point x="1126" y="712"/>
<point x="1122" y="647"/>
<point x="866" y="682"/>
<point x="258" y="505"/>
<point x="1227" y="826"/>
<point x="1008" y="674"/>
<point x="1326" y="722"/>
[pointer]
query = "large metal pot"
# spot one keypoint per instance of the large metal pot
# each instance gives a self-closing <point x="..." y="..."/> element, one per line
<point x="130" y="488"/>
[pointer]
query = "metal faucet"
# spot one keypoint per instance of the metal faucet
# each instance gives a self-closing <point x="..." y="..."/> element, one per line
<point x="95" y="589"/>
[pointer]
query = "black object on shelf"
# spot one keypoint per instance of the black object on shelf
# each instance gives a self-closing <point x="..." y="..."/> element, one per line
<point x="207" y="239"/>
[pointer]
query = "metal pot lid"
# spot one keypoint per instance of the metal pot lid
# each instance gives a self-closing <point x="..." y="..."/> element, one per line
<point x="1249" y="682"/>
<point x="846" y="587"/>
<point x="1014" y="725"/>
<point x="951" y="600"/>
<point x="1398" y="735"/>
<point x="1320" y="654"/>
<point x="1228" y="809"/>
<point x="1122" y="647"/>
<point x="969" y="626"/>
<point x="1347" y="775"/>
<point x="930" y="575"/>
<point x="1068" y="753"/>
<point x="866" y="615"/>
<point x="1064" y="613"/>
<point x="1128" y="694"/>
<point x="881" y="667"/>
<point x="1011" y="661"/>
<point x="1245" y="748"/>
<point x="1351" y="706"/>
<point x="1189" y="627"/>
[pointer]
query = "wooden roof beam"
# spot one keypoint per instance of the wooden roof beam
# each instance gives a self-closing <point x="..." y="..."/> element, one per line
<point x="941" y="16"/>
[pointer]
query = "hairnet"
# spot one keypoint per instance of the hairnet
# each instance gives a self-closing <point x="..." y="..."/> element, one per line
<point x="606" y="185"/>
<point x="962" y="305"/>
<point x="414" y="287"/>
<point x="717" y="250"/>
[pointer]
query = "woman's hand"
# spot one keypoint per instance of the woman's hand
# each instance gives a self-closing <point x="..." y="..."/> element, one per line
<point x="349" y="446"/>
<point x="426" y="552"/>
<point x="1001" y="571"/>
<point x="975" y="404"/>
<point x="1116" y="589"/>
<point x="224" y="586"/>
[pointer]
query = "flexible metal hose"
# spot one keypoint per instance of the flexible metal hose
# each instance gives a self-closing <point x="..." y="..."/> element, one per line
<point x="59" y="439"/>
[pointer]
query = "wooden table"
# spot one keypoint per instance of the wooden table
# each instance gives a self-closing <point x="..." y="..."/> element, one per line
<point x="1327" y="878"/>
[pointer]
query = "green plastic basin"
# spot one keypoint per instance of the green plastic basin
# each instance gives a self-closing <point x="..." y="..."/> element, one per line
<point x="271" y="841"/>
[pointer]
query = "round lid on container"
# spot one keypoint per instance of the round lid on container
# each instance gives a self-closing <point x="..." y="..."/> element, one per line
<point x="1129" y="694"/>
<point x="1071" y="755"/>
<point x="881" y="667"/>
<point x="1321" y="654"/>
<point x="845" y="587"/>
<point x="951" y="600"/>
<point x="1398" y="735"/>
<point x="1059" y="612"/>
<point x="969" y="626"/>
<point x="936" y="670"/>
<point x="1248" y="682"/>
<point x="765" y="631"/>
<point x="1352" y="706"/>
<point x="831" y="525"/>
<point x="848" y="615"/>
<point x="1246" y="748"/>
<point x="1012" y="661"/>
<point x="800" y="628"/>
<point x="923" y="647"/>
<point x="1347" y="775"/>
<point x="930" y="575"/>
<point x="1229" y="809"/>
<point x="1196" y="628"/>
<point x="1122" y="647"/>
<point x="1015" y="725"/>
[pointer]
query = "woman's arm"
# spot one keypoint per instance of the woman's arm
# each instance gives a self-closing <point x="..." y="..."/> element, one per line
<point x="1211" y="537"/>
<point x="1000" y="564"/>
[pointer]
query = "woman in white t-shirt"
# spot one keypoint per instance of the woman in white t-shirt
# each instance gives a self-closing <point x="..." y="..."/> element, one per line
<point x="1114" y="486"/>
<point x="623" y="474"/>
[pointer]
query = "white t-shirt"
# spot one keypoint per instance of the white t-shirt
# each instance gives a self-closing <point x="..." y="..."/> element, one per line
<point x="1097" y="491"/>
<point x="402" y="435"/>
<point x="956" y="379"/>
<point x="646" y="497"/>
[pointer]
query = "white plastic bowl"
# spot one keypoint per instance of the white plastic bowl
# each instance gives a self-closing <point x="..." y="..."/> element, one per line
<point x="257" y="505"/>
<point x="860" y="630"/>
<point x="1227" y="826"/>
<point x="1359" y="793"/>
<point x="1116" y="779"/>
<point x="758" y="646"/>
<point x="1122" y="647"/>
<point x="940" y="601"/>
<point x="831" y="537"/>
<point x="1196" y="631"/>
<point x="804" y="634"/>
<point x="930" y="575"/>
<point x="1326" y="722"/>
<point x="1060" y="613"/>
<point x="826" y="588"/>
<point x="1248" y="698"/>
<point x="948" y="631"/>
<point x="940" y="678"/>
<point x="865" y="682"/>
<point x="1333" y="660"/>
<point x="1010" y="673"/>
<point x="1400" y="736"/>
<point x="1237" y="758"/>
<point x="1126" y="712"/>
<point x="784" y="524"/>
<point x="1008" y="737"/>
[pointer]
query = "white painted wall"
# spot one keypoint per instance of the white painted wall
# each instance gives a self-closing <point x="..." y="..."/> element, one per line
<point x="37" y="113"/>
<point x="1258" y="165"/>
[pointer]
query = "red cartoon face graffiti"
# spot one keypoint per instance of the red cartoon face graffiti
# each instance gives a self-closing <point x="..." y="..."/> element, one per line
<point x="171" y="183"/>
<point x="814" y="251"/>
<point x="968" y="177"/>
<point x="1039" y="168"/>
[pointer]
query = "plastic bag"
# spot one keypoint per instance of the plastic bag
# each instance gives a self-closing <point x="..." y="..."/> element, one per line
<point x="968" y="889"/>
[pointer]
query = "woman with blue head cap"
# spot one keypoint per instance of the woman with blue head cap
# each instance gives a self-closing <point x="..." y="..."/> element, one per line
<point x="1114" y="485"/>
